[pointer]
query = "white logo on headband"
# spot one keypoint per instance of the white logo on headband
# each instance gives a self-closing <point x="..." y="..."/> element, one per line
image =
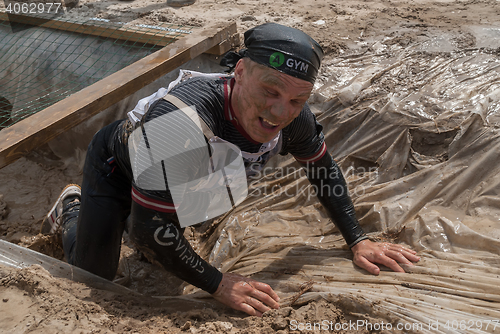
<point x="297" y="65"/>
<point x="277" y="59"/>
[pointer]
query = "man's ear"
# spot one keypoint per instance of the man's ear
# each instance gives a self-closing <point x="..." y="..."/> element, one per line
<point x="239" y="70"/>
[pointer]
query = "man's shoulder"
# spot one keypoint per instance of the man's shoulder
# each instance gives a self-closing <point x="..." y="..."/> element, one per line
<point x="303" y="137"/>
<point x="300" y="123"/>
<point x="210" y="81"/>
<point x="206" y="95"/>
<point x="203" y="92"/>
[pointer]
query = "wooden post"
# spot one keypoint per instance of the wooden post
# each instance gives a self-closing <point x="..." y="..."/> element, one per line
<point x="30" y="133"/>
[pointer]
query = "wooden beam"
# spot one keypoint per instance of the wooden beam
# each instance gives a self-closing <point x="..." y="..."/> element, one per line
<point x="225" y="46"/>
<point x="220" y="48"/>
<point x="30" y="133"/>
<point x="148" y="34"/>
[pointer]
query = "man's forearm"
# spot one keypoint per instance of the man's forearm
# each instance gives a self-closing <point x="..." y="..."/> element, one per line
<point x="158" y="236"/>
<point x="189" y="266"/>
<point x="333" y="194"/>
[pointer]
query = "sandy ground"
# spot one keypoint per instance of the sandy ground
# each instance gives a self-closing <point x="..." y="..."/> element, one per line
<point x="34" y="301"/>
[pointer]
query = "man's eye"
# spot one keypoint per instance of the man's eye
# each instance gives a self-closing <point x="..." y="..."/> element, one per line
<point x="271" y="92"/>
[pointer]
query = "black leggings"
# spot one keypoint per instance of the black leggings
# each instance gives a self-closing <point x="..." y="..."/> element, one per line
<point x="92" y="237"/>
<point x="92" y="231"/>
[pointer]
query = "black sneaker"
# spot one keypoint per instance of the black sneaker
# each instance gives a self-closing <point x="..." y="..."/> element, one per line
<point x="52" y="222"/>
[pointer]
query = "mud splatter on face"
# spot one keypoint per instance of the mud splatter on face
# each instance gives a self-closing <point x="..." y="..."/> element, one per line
<point x="265" y="100"/>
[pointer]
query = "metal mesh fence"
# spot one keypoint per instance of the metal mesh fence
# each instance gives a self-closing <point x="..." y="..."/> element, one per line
<point x="41" y="65"/>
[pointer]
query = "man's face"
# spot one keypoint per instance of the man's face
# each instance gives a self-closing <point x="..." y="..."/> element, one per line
<point x="265" y="100"/>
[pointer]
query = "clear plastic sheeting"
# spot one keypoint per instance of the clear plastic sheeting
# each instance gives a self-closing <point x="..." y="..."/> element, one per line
<point x="42" y="66"/>
<point x="418" y="139"/>
<point x="15" y="256"/>
<point x="12" y="255"/>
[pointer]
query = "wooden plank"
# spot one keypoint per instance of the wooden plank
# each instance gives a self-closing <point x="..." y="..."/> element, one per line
<point x="220" y="48"/>
<point x="225" y="46"/>
<point x="30" y="133"/>
<point x="148" y="34"/>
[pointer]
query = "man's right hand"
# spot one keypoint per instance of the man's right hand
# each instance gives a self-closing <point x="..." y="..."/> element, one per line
<point x="245" y="294"/>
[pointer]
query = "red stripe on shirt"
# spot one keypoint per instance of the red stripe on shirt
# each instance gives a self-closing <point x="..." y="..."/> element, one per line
<point x="227" y="100"/>
<point x="314" y="157"/>
<point x="151" y="203"/>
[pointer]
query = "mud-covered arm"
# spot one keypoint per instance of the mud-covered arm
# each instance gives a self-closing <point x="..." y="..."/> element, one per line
<point x="332" y="191"/>
<point x="158" y="236"/>
<point x="331" y="187"/>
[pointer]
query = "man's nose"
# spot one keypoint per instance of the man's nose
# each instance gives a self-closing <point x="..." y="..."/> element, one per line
<point x="278" y="109"/>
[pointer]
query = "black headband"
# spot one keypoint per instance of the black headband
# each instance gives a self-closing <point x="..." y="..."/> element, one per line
<point x="282" y="48"/>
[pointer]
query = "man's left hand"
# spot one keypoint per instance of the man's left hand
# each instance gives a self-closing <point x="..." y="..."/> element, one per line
<point x="367" y="253"/>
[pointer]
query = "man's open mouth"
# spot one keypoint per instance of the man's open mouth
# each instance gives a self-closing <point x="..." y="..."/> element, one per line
<point x="267" y="124"/>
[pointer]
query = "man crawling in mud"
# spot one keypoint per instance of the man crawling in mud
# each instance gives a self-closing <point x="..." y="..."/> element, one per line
<point x="262" y="110"/>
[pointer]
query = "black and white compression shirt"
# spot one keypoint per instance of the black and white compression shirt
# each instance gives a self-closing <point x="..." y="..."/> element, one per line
<point x="303" y="138"/>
